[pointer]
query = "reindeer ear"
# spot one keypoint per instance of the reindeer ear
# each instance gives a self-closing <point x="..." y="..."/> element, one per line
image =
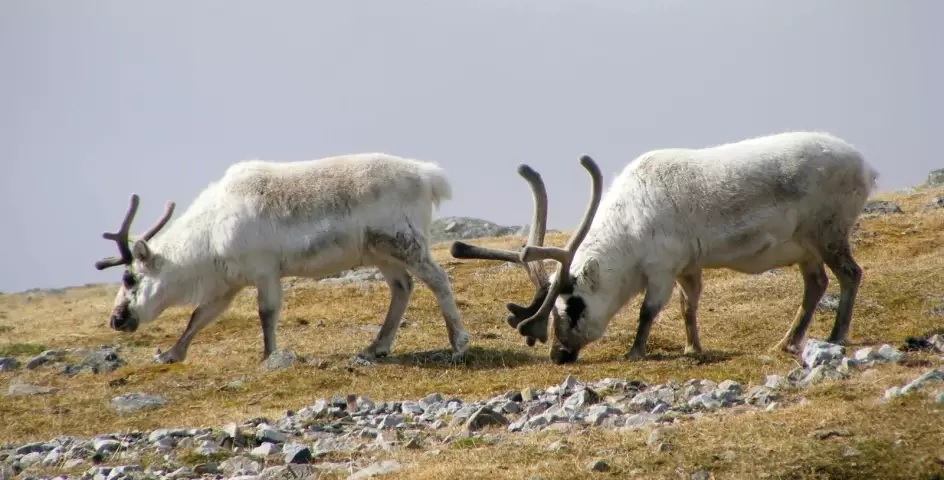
<point x="591" y="274"/>
<point x="141" y="252"/>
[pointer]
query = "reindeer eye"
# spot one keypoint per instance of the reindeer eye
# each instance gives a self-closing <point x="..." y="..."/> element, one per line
<point x="575" y="308"/>
<point x="128" y="279"/>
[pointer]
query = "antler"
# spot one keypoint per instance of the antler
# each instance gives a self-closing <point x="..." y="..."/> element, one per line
<point x="535" y="270"/>
<point x="535" y="326"/>
<point x="121" y="236"/>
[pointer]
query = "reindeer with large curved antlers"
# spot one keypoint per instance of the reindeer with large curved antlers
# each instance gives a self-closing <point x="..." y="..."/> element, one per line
<point x="748" y="206"/>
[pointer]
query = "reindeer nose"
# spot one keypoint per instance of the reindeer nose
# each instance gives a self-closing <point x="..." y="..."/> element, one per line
<point x="562" y="356"/>
<point x="123" y="323"/>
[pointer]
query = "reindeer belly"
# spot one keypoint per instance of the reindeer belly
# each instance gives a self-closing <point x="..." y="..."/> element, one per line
<point x="764" y="254"/>
<point x="323" y="255"/>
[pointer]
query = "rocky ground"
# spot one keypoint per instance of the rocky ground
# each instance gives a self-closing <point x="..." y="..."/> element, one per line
<point x="346" y="437"/>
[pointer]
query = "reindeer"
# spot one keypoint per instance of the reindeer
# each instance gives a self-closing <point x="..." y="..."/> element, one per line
<point x="264" y="221"/>
<point x="748" y="206"/>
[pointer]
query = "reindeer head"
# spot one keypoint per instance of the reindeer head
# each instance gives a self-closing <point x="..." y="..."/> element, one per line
<point x="563" y="290"/>
<point x="139" y="297"/>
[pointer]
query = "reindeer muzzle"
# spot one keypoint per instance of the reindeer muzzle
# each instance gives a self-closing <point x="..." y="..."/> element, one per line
<point x="123" y="323"/>
<point x="562" y="356"/>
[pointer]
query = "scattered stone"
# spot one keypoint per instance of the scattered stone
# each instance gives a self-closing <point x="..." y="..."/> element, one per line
<point x="485" y="417"/>
<point x="265" y="449"/>
<point x="296" y="453"/>
<point x="240" y="466"/>
<point x="206" y="448"/>
<point x="234" y="385"/>
<point x="823" y="434"/>
<point x="775" y="382"/>
<point x="935" y="178"/>
<point x="133" y="402"/>
<point x="307" y="441"/>
<point x="430" y="400"/>
<point x="879" y="207"/>
<point x="268" y="433"/>
<point x="889" y="353"/>
<point x="464" y="228"/>
<point x="920" y="382"/>
<point x="231" y="436"/>
<point x="557" y="446"/>
<point x="936" y="202"/>
<point x="382" y="467"/>
<point x="8" y="364"/>
<point x="819" y="374"/>
<point x="598" y="465"/>
<point x="26" y="390"/>
<point x="761" y="395"/>
<point x="701" y="474"/>
<point x="281" y="359"/>
<point x="817" y="352"/>
<point x="102" y="360"/>
<point x="48" y="356"/>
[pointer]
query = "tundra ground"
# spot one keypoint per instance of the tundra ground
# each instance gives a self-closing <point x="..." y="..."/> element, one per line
<point x="741" y="317"/>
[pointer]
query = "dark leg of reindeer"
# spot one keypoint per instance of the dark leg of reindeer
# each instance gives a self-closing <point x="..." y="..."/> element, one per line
<point x="401" y="287"/>
<point x="199" y="319"/>
<point x="269" y="299"/>
<point x="691" y="293"/>
<point x="815" y="282"/>
<point x="658" y="292"/>
<point x="847" y="271"/>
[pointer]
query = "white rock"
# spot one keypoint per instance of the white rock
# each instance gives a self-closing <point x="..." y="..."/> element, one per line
<point x="817" y="352"/>
<point x="382" y="467"/>
<point x="266" y="432"/>
<point x="889" y="353"/>
<point x="266" y="449"/>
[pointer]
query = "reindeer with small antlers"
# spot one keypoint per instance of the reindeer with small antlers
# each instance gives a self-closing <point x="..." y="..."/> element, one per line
<point x="265" y="220"/>
<point x="748" y="206"/>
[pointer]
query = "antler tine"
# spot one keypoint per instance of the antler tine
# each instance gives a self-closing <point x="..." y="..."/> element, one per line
<point x="165" y="217"/>
<point x="120" y="238"/>
<point x="460" y="249"/>
<point x="536" y="325"/>
<point x="536" y="272"/>
<point x="565" y="255"/>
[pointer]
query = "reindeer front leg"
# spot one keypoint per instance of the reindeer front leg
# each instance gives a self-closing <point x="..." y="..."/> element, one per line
<point x="269" y="299"/>
<point x="658" y="292"/>
<point x="199" y="319"/>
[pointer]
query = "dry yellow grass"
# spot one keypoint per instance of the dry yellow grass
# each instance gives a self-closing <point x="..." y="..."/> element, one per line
<point x="741" y="317"/>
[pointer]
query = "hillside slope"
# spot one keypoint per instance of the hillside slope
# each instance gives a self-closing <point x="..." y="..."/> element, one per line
<point x="902" y="295"/>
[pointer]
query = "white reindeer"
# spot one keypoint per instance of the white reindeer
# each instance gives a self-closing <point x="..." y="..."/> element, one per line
<point x="263" y="221"/>
<point x="748" y="206"/>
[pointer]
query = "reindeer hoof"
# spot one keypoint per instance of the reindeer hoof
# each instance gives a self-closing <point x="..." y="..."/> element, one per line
<point x="787" y="348"/>
<point x="838" y="341"/>
<point x="167" y="357"/>
<point x="459" y="358"/>
<point x="370" y="355"/>
<point x="634" y="356"/>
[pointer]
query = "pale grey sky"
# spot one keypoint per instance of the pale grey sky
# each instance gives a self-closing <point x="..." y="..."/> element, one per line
<point x="99" y="99"/>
